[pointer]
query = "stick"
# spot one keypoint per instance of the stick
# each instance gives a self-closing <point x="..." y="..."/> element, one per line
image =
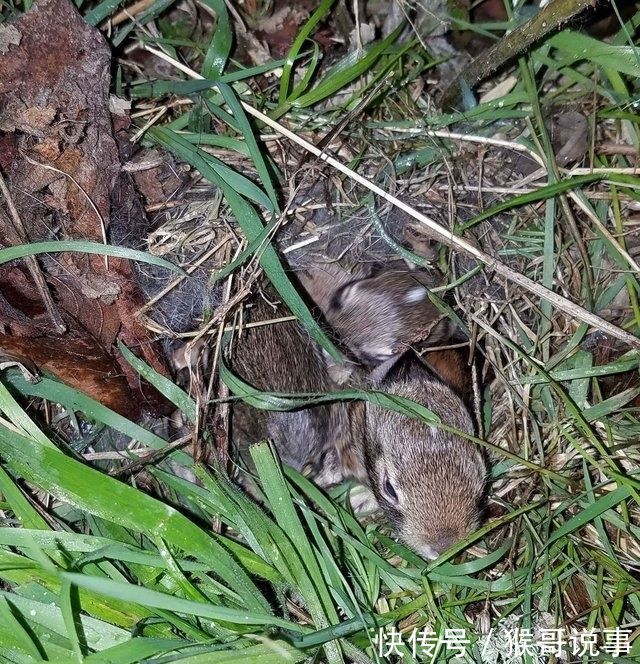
<point x="17" y="230"/>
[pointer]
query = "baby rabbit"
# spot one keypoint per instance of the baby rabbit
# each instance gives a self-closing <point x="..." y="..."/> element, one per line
<point x="428" y="482"/>
<point x="378" y="315"/>
<point x="281" y="357"/>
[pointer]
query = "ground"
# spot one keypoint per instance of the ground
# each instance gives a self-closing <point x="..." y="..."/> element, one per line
<point x="157" y="158"/>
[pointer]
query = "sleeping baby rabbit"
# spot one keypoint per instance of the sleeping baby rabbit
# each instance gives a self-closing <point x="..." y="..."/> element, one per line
<point x="281" y="357"/>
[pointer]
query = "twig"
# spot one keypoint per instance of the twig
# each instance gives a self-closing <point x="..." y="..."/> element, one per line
<point x="18" y="234"/>
<point x="441" y="233"/>
<point x="548" y="19"/>
<point x="147" y="457"/>
<point x="221" y="430"/>
<point x="130" y="12"/>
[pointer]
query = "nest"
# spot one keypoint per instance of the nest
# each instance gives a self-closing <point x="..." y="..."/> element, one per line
<point x="330" y="218"/>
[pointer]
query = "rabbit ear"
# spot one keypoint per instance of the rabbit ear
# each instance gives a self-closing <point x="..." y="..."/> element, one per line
<point x="350" y="291"/>
<point x="359" y="306"/>
<point x="406" y="365"/>
<point x="382" y="371"/>
<point x="415" y="295"/>
<point x="402" y="366"/>
<point x="346" y="295"/>
<point x="452" y="367"/>
<point x="321" y="283"/>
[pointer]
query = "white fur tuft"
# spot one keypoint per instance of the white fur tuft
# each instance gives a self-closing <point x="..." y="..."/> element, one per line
<point x="416" y="294"/>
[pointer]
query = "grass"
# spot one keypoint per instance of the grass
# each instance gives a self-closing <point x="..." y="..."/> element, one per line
<point x="96" y="569"/>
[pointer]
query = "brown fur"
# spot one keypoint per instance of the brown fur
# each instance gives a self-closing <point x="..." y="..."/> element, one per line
<point x="452" y="367"/>
<point x="383" y="315"/>
<point x="281" y="358"/>
<point x="376" y="314"/>
<point x="437" y="477"/>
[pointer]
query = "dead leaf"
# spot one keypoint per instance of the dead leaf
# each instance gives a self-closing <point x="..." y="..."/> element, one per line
<point x="9" y="36"/>
<point x="570" y="137"/>
<point x="63" y="167"/>
<point x="80" y="363"/>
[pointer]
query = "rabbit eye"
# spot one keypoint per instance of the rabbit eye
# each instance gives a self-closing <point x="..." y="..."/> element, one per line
<point x="389" y="490"/>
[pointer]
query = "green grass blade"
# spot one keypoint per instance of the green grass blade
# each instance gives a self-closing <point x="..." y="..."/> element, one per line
<point x="578" y="46"/>
<point x="544" y="193"/>
<point x="219" y="49"/>
<point x="297" y="45"/>
<point x="587" y="515"/>
<point x="28" y="516"/>
<point x="152" y="598"/>
<point x="72" y="400"/>
<point x="22" y="250"/>
<point x="135" y="650"/>
<point x="14" y="637"/>
<point x="317" y="595"/>
<point x="254" y="246"/>
<point x="279" y="498"/>
<point x="242" y="123"/>
<point x="252" y="227"/>
<point x="89" y="490"/>
<point x="102" y="11"/>
<point x="166" y="387"/>
<point x="269" y="652"/>
<point x="148" y="14"/>
<point x="69" y="617"/>
<point x="12" y="410"/>
<point x="347" y="70"/>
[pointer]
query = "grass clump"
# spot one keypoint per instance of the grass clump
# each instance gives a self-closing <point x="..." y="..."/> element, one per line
<point x="94" y="568"/>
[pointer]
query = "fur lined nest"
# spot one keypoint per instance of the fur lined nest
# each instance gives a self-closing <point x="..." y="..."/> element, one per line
<point x="527" y="408"/>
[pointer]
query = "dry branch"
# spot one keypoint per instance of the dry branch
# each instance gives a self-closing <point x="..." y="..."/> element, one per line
<point x="547" y="20"/>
